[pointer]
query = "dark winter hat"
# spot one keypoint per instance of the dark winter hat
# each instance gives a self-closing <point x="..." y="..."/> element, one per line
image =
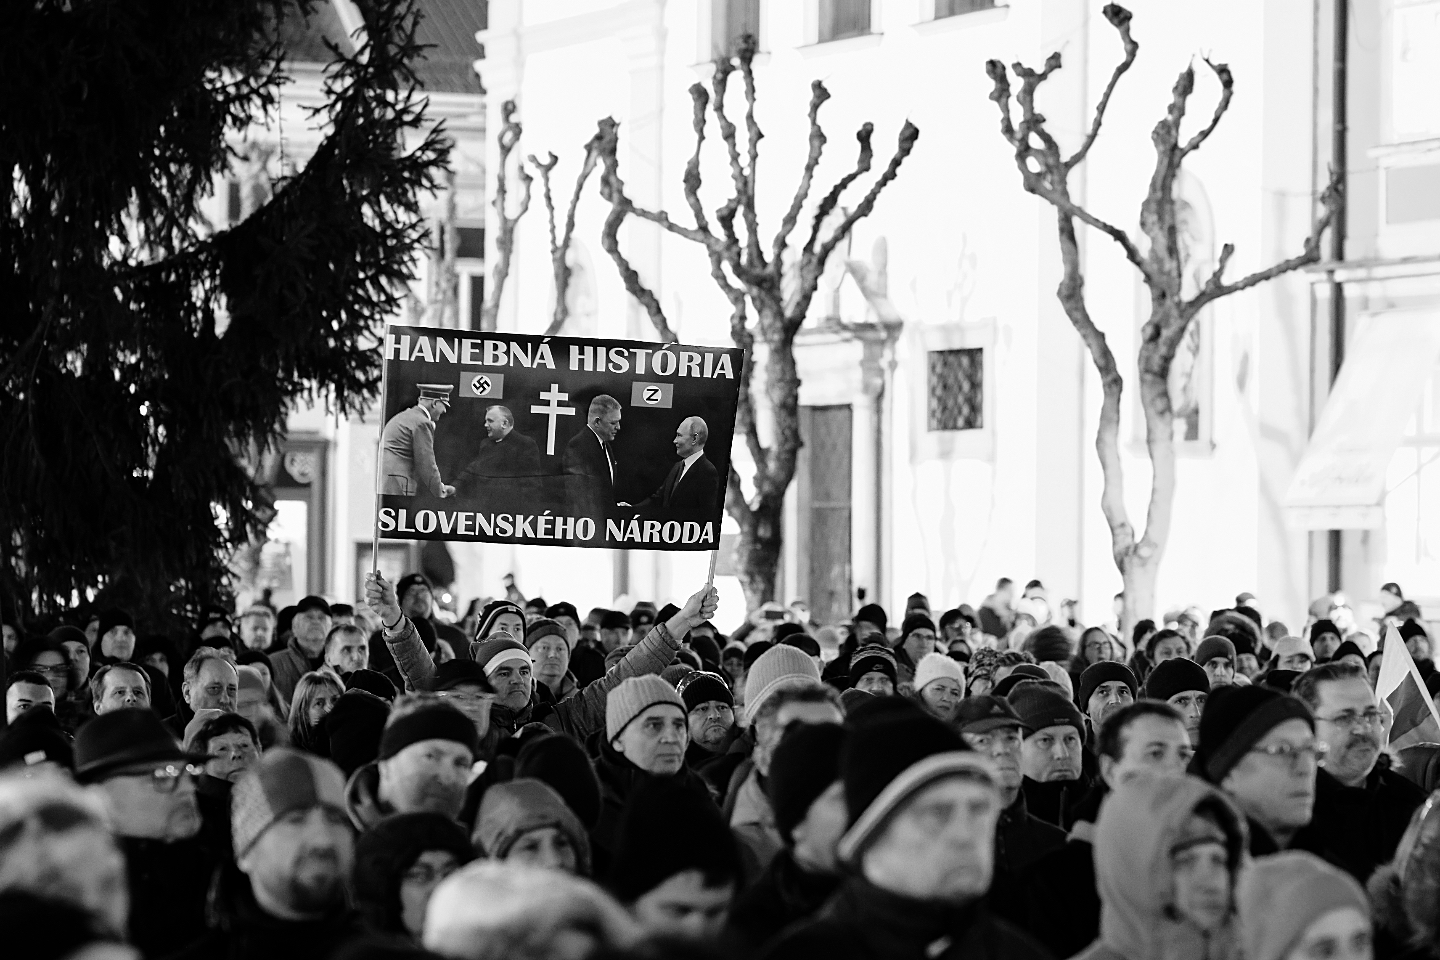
<point x="873" y="613"/>
<point x="312" y="602"/>
<point x="435" y="721"/>
<point x="452" y="673"/>
<point x="688" y="658"/>
<point x="563" y="609"/>
<point x="372" y="682"/>
<point x="1050" y="642"/>
<point x="804" y="643"/>
<point x="883" y="743"/>
<point x="642" y="614"/>
<point x="1282" y="681"/>
<point x="668" y="828"/>
<point x="699" y="687"/>
<point x="708" y="651"/>
<point x="544" y="628"/>
<point x="1215" y="648"/>
<point x="1021" y="674"/>
<point x="852" y="699"/>
<point x="666" y="613"/>
<point x="1321" y="627"/>
<point x="561" y="762"/>
<point x="804" y="765"/>
<point x="352" y="729"/>
<point x="1235" y="719"/>
<point x="676" y="672"/>
<point x="1105" y="671"/>
<point x="784" y="631"/>
<point x="755" y="651"/>
<point x="284" y="620"/>
<point x="1348" y="649"/>
<point x="1039" y="707"/>
<point x="1176" y="676"/>
<point x="1408" y="630"/>
<point x="614" y="620"/>
<point x="983" y="713"/>
<point x="36" y="737"/>
<point x="872" y="658"/>
<point x="68" y="634"/>
<point x="385" y="851"/>
<point x="115" y="617"/>
<point x="916" y="621"/>
<point x="125" y="738"/>
<point x="403" y="585"/>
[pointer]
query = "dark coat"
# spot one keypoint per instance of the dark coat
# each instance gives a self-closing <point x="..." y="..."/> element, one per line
<point x="1021" y="839"/>
<point x="618" y="780"/>
<point x="1057" y="801"/>
<point x="863" y="922"/>
<point x="695" y="493"/>
<point x="511" y="457"/>
<point x="213" y="797"/>
<point x="594" y="490"/>
<point x="716" y="769"/>
<point x="587" y="664"/>
<point x="243" y="931"/>
<point x="1360" y="827"/>
<point x="785" y="894"/>
<point x="180" y="719"/>
<point x="1060" y="901"/>
<point x="168" y="886"/>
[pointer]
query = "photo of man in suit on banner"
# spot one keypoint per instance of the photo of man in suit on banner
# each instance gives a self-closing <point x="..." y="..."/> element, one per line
<point x="691" y="487"/>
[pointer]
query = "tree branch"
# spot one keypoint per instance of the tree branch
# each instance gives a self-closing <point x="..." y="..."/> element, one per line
<point x="509" y="138"/>
<point x="744" y="186"/>
<point x="1119" y="18"/>
<point x="1227" y="92"/>
<point x="827" y="205"/>
<point x="818" y="96"/>
<point x="612" y="188"/>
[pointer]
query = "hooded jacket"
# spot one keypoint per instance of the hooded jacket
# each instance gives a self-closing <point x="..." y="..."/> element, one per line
<point x="1138" y="827"/>
<point x="577" y="716"/>
<point x="362" y="797"/>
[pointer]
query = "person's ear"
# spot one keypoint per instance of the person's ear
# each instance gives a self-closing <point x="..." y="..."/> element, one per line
<point x="1107" y="770"/>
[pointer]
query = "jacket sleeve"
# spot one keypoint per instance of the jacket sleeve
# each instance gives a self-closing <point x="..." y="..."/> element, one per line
<point x="412" y="659"/>
<point x="423" y="440"/>
<point x="582" y="713"/>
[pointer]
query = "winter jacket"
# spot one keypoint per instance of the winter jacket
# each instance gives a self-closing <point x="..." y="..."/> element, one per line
<point x="1358" y="828"/>
<point x="1055" y="801"/>
<point x="1020" y="840"/>
<point x="1059" y="903"/>
<point x="1133" y="839"/>
<point x="288" y="666"/>
<point x="243" y="931"/>
<point x="753" y="823"/>
<point x="786" y="893"/>
<point x="168" y="884"/>
<point x="618" y="780"/>
<point x="864" y="922"/>
<point x="577" y="716"/>
<point x="362" y="797"/>
<point x="717" y="768"/>
<point x="213" y="797"/>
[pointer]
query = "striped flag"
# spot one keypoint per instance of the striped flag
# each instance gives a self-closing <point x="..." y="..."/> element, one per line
<point x="1416" y="720"/>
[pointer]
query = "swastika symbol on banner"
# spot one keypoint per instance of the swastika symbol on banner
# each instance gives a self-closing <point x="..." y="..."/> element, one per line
<point x="480" y="383"/>
<point x="652" y="395"/>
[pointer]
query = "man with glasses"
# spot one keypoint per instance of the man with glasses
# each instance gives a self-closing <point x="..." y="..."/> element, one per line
<point x="1362" y="807"/>
<point x="1259" y="746"/>
<point x="148" y="785"/>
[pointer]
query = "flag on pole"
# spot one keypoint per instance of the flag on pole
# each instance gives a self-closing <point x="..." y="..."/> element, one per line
<point x="1416" y="720"/>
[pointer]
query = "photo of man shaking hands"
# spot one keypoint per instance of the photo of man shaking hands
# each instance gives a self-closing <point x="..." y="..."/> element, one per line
<point x="692" y="486"/>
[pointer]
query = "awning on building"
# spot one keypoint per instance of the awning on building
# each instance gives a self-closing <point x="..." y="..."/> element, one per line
<point x="1340" y="483"/>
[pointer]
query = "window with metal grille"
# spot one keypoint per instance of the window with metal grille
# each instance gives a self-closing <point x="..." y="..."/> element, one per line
<point x="839" y="19"/>
<point x="956" y="389"/>
<point x="954" y="8"/>
<point x="729" y="21"/>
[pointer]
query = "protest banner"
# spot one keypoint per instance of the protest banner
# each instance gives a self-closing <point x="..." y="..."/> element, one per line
<point x="562" y="441"/>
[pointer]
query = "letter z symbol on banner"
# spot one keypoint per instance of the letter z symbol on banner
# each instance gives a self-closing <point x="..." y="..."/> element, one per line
<point x="653" y="394"/>
<point x="554" y="395"/>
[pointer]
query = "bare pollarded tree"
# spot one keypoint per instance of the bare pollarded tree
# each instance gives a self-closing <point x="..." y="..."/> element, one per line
<point x="505" y="223"/>
<point x="1045" y="171"/>
<point x="768" y="283"/>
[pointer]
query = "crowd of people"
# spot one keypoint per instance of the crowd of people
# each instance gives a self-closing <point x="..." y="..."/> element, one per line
<point x="371" y="781"/>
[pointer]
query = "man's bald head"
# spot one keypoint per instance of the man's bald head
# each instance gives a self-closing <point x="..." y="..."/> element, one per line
<point x="691" y="436"/>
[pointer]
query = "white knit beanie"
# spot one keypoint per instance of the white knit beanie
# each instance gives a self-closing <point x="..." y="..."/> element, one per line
<point x="777" y="667"/>
<point x="936" y="666"/>
<point x="633" y="697"/>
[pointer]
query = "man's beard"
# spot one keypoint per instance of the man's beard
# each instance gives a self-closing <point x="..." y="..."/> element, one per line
<point x="713" y="734"/>
<point x="316" y="885"/>
<point x="438" y="795"/>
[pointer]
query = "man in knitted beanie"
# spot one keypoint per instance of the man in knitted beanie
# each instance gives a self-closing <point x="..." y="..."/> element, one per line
<point x="1105" y="687"/>
<point x="710" y="713"/>
<point x="1258" y="745"/>
<point x="918" y="637"/>
<point x="295" y="849"/>
<point x="1051" y="755"/>
<point x="426" y="752"/>
<point x="1217" y="656"/>
<point x="1184" y="685"/>
<point x="874" y="670"/>
<point x="809" y="803"/>
<point x="549" y="647"/>
<point x="920" y="846"/>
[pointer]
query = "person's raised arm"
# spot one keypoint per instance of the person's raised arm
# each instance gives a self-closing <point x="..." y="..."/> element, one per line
<point x="413" y="661"/>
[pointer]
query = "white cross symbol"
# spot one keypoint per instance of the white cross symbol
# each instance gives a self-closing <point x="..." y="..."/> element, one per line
<point x="552" y="411"/>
